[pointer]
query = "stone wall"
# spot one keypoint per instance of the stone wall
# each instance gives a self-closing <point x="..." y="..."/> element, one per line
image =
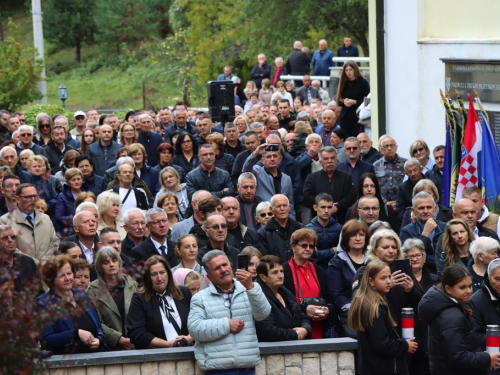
<point x="326" y="356"/>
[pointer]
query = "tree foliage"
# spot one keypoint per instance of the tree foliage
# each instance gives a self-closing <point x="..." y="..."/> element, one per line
<point x="19" y="72"/>
<point x="69" y="23"/>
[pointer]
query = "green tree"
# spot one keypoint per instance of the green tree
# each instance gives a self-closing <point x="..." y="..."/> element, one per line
<point x="19" y="72"/>
<point x="69" y="23"/>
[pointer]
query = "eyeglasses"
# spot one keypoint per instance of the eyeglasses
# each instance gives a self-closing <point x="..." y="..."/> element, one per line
<point x="6" y="238"/>
<point x="28" y="197"/>
<point x="266" y="214"/>
<point x="416" y="256"/>
<point x="306" y="245"/>
<point x="22" y="120"/>
<point x="26" y="135"/>
<point x="421" y="149"/>
<point x="44" y="126"/>
<point x="392" y="145"/>
<point x="368" y="209"/>
<point x="217" y="226"/>
<point x="350" y="148"/>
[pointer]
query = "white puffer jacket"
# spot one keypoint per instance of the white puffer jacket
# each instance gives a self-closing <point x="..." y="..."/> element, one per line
<point x="216" y="348"/>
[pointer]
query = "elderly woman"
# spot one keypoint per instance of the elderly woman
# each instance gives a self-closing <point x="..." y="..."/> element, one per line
<point x="158" y="313"/>
<point x="442" y="213"/>
<point x="170" y="183"/>
<point x="165" y="153"/>
<point x="485" y="303"/>
<point x="24" y="155"/>
<point x="281" y="93"/>
<point x="83" y="270"/>
<point x="65" y="204"/>
<point x="242" y="123"/>
<point x="286" y="321"/>
<point x="223" y="160"/>
<point x="170" y="204"/>
<point x="109" y="209"/>
<point x="68" y="162"/>
<point x="44" y="127"/>
<point x="143" y="171"/>
<point x="186" y="252"/>
<point x="76" y="328"/>
<point x="304" y="280"/>
<point x="483" y="251"/>
<point x="420" y="151"/>
<point x="128" y="134"/>
<point x="337" y="140"/>
<point x="263" y="213"/>
<point x="186" y="152"/>
<point x="44" y="187"/>
<point x="112" y="293"/>
<point x="453" y="246"/>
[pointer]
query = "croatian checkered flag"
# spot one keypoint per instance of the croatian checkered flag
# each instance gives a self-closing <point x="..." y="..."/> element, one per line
<point x="468" y="175"/>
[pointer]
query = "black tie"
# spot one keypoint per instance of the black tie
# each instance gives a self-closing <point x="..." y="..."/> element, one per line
<point x="163" y="253"/>
<point x="30" y="220"/>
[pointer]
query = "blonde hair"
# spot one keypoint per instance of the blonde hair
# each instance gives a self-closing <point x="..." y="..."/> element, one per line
<point x="190" y="277"/>
<point x="134" y="147"/>
<point x="33" y="158"/>
<point x="105" y="200"/>
<point x="375" y="241"/>
<point x="136" y="136"/>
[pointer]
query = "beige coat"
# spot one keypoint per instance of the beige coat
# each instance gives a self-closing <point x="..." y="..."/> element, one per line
<point x="40" y="243"/>
<point x="119" y="227"/>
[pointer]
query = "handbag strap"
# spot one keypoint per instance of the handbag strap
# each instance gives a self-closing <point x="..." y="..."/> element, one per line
<point x="297" y="277"/>
<point x="126" y="196"/>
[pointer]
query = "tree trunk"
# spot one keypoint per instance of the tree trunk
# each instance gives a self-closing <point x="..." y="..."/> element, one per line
<point x="78" y="53"/>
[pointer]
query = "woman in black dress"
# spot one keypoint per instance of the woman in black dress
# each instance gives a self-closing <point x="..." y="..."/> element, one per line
<point x="351" y="92"/>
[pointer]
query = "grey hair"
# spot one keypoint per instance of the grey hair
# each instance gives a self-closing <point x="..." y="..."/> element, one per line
<point x="254" y="125"/>
<point x="61" y="118"/>
<point x="123" y="159"/>
<point x="249" y="175"/>
<point x="379" y="224"/>
<point x="6" y="227"/>
<point x="144" y="115"/>
<point x="2" y="151"/>
<point x="412" y="243"/>
<point x="272" y="200"/>
<point x="125" y="215"/>
<point x="25" y="127"/>
<point x="179" y="110"/>
<point x="314" y="135"/>
<point x="352" y="139"/>
<point x="82" y="205"/>
<point x="411" y="162"/>
<point x="425" y="183"/>
<point x="153" y="211"/>
<point x="422" y="194"/>
<point x="102" y="255"/>
<point x="261" y="206"/>
<point x="278" y="59"/>
<point x="273" y="136"/>
<point x="28" y="151"/>
<point x="494" y="264"/>
<point x="211" y="255"/>
<point x="303" y="114"/>
<point x="327" y="149"/>
<point x="483" y="245"/>
<point x="77" y="215"/>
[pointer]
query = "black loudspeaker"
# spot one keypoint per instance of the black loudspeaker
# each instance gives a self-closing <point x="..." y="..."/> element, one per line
<point x="221" y="100"/>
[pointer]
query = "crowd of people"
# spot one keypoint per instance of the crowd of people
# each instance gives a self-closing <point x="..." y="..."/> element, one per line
<point x="133" y="231"/>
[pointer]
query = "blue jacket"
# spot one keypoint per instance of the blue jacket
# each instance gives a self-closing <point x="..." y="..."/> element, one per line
<point x="328" y="237"/>
<point x="342" y="51"/>
<point x="65" y="208"/>
<point x="102" y="160"/>
<point x="321" y="62"/>
<point x="359" y="169"/>
<point x="95" y="184"/>
<point x="198" y="178"/>
<point x="151" y="177"/>
<point x="150" y="142"/>
<point x="45" y="191"/>
<point x="413" y="230"/>
<point x="61" y="337"/>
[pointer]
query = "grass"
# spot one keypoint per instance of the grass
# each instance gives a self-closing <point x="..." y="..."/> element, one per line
<point x="95" y="83"/>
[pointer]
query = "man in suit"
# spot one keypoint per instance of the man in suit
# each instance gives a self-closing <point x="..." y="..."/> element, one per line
<point x="134" y="223"/>
<point x="307" y="92"/>
<point x="156" y="243"/>
<point x="85" y="226"/>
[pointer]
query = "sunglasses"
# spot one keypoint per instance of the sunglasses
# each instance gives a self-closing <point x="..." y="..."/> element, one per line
<point x="43" y="126"/>
<point x="266" y="214"/>
<point x="421" y="149"/>
<point x="79" y="118"/>
<point x="26" y="135"/>
<point x="5" y="238"/>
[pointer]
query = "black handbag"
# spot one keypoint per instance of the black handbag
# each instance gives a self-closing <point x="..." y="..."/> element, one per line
<point x="315" y="301"/>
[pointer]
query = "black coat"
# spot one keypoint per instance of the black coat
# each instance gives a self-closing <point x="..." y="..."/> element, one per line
<point x="144" y="251"/>
<point x="280" y="324"/>
<point x="182" y="162"/>
<point x="243" y="218"/>
<point x="140" y="197"/>
<point x="170" y="129"/>
<point x="380" y="349"/>
<point x="95" y="184"/>
<point x="404" y="197"/>
<point x="25" y="273"/>
<point x="357" y="90"/>
<point x="230" y="251"/>
<point x="144" y="322"/>
<point x="234" y="151"/>
<point x="55" y="156"/>
<point x="454" y="347"/>
<point x="275" y="242"/>
<point x="436" y="176"/>
<point x="224" y="161"/>
<point x="259" y="73"/>
<point x="299" y="145"/>
<point x="299" y="63"/>
<point x="339" y="186"/>
<point x="238" y="166"/>
<point x="371" y="156"/>
<point x="128" y="245"/>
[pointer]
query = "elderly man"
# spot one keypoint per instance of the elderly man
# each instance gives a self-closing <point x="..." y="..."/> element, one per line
<point x="298" y="63"/>
<point x="322" y="60"/>
<point x="22" y="266"/>
<point x="413" y="170"/>
<point x="8" y="189"/>
<point x="466" y="209"/>
<point x="180" y="123"/>
<point x="215" y="227"/>
<point x="247" y="198"/>
<point x="12" y="125"/>
<point x="425" y="228"/>
<point x="261" y="70"/>
<point x="85" y="226"/>
<point x="183" y="227"/>
<point x="369" y="154"/>
<point x="36" y="234"/>
<point x="79" y="121"/>
<point x="103" y="152"/>
<point x="26" y="141"/>
<point x="149" y="138"/>
<point x="134" y="223"/>
<point x="486" y="218"/>
<point x="270" y="180"/>
<point x="326" y="131"/>
<point x="436" y="173"/>
<point x="389" y="171"/>
<point x="221" y="318"/>
<point x="279" y="71"/>
<point x="276" y="234"/>
<point x="353" y="165"/>
<point x="244" y="236"/>
<point x="114" y="122"/>
<point x="227" y="75"/>
<point x="156" y="243"/>
<point x="323" y="94"/>
<point x="165" y="119"/>
<point x="208" y="177"/>
<point x="130" y="196"/>
<point x="332" y="181"/>
<point x="57" y="148"/>
<point x="9" y="158"/>
<point x="307" y="92"/>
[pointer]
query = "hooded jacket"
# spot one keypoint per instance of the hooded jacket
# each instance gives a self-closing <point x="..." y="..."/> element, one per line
<point x="454" y="347"/>
<point x="328" y="237"/>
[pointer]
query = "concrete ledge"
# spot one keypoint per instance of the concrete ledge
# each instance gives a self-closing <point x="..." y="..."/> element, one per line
<point x="182" y="354"/>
